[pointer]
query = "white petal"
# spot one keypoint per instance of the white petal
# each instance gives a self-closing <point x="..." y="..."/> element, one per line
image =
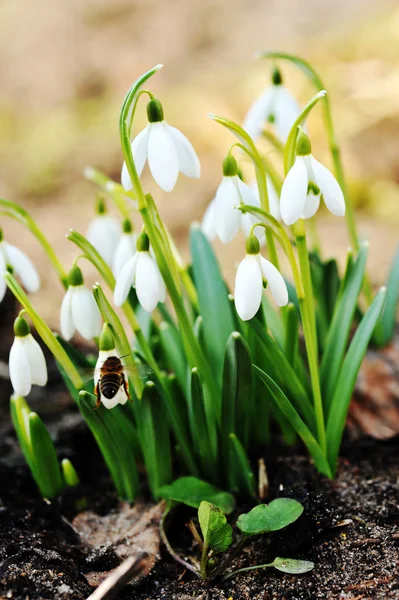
<point x="37" y="362"/>
<point x="119" y="398"/>
<point x="125" y="281"/>
<point x="189" y="163"/>
<point x="330" y="188"/>
<point x="20" y="374"/>
<point x="125" y="250"/>
<point x="125" y="178"/>
<point x="3" y="270"/>
<point x="294" y="192"/>
<point x="311" y="206"/>
<point x="227" y="217"/>
<point x="66" y="322"/>
<point x="103" y="233"/>
<point x="162" y="157"/>
<point x="248" y="288"/>
<point x="148" y="281"/>
<point x="286" y="111"/>
<point x="275" y="280"/>
<point x="139" y="150"/>
<point x="23" y="267"/>
<point x="259" y="113"/>
<point x="85" y="313"/>
<point x="274" y="202"/>
<point x="208" y="224"/>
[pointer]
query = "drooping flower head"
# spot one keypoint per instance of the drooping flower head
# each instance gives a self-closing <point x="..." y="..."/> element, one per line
<point x="116" y="389"/>
<point x="255" y="273"/>
<point x="141" y="272"/>
<point x="223" y="210"/>
<point x="104" y="232"/>
<point x="125" y="249"/>
<point x="21" y="264"/>
<point x="306" y="182"/>
<point x="276" y="106"/>
<point x="167" y="150"/>
<point x="79" y="311"/>
<point x="26" y="363"/>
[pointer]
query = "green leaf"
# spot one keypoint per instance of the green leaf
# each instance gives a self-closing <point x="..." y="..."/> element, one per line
<point x="346" y="381"/>
<point x="217" y="533"/>
<point x="292" y="565"/>
<point x="385" y="327"/>
<point x="153" y="432"/>
<point x="240" y="472"/>
<point x="192" y="491"/>
<point x="47" y="468"/>
<point x="71" y="478"/>
<point x="298" y="424"/>
<point x="213" y="300"/>
<point x="270" y="517"/>
<point x="338" y="333"/>
<point x="204" y="437"/>
<point x="236" y="388"/>
<point x="173" y="351"/>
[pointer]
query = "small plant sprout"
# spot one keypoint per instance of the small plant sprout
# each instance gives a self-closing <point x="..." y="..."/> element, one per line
<point x="79" y="312"/>
<point x="125" y="249"/>
<point x="230" y="194"/>
<point x="253" y="274"/>
<point x="141" y="272"/>
<point x="305" y="182"/>
<point x="20" y="264"/>
<point x="104" y="232"/>
<point x="167" y="150"/>
<point x="27" y="362"/>
<point x="276" y="106"/>
<point x="110" y="381"/>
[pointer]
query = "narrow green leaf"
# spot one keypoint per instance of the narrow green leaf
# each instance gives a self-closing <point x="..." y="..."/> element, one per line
<point x="173" y="351"/>
<point x="385" y="327"/>
<point x="47" y="468"/>
<point x="71" y="478"/>
<point x="240" y="468"/>
<point x="154" y="439"/>
<point x="20" y="411"/>
<point x="345" y="383"/>
<point x="204" y="437"/>
<point x="338" y="333"/>
<point x="236" y="388"/>
<point x="293" y="566"/>
<point x="291" y="334"/>
<point x="213" y="300"/>
<point x="270" y="517"/>
<point x="192" y="491"/>
<point x="298" y="424"/>
<point x="217" y="533"/>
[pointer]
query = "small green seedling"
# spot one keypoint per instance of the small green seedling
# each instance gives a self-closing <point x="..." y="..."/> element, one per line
<point x="217" y="533"/>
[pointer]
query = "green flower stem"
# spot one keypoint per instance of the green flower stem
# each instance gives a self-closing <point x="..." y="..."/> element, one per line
<point x="45" y="332"/>
<point x="233" y="573"/>
<point x="20" y="214"/>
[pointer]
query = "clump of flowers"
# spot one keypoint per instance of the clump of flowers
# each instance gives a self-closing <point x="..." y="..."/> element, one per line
<point x="206" y="372"/>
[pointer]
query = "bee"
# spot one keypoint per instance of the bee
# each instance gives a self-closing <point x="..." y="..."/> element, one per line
<point x="111" y="382"/>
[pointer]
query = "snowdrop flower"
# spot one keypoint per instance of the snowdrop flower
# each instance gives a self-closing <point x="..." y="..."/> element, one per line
<point x="111" y="389"/>
<point x="253" y="274"/>
<point x="125" y="249"/>
<point x="79" y="310"/>
<point x="305" y="182"/>
<point x="104" y="233"/>
<point x="223" y="216"/>
<point x="167" y="150"/>
<point x="21" y="265"/>
<point x="27" y="363"/>
<point x="141" y="272"/>
<point x="276" y="105"/>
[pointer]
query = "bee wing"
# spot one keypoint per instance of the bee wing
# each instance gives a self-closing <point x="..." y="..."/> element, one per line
<point x="144" y="371"/>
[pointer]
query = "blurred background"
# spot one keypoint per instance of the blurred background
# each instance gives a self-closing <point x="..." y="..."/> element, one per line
<point x="65" y="67"/>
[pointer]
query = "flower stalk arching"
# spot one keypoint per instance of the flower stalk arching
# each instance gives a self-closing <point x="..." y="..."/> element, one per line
<point x="45" y="333"/>
<point x="20" y="214"/>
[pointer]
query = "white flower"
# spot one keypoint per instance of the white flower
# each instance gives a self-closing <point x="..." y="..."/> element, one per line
<point x="276" y="105"/>
<point x="27" y="363"/>
<point x="167" y="150"/>
<point x="125" y="249"/>
<point x="104" y="232"/>
<point x="305" y="182"/>
<point x="120" y="397"/>
<point x="79" y="310"/>
<point x="227" y="218"/>
<point x="142" y="273"/>
<point x="21" y="265"/>
<point x="252" y="272"/>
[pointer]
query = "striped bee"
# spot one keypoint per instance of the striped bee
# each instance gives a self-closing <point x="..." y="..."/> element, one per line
<point x="110" y="380"/>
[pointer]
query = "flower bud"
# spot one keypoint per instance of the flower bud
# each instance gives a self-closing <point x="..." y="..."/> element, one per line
<point x="154" y="111"/>
<point x="276" y="76"/>
<point x="143" y="243"/>
<point x="75" y="276"/>
<point x="230" y="166"/>
<point x="252" y="244"/>
<point x="21" y="327"/>
<point x="107" y="340"/>
<point x="303" y="145"/>
<point x="127" y="226"/>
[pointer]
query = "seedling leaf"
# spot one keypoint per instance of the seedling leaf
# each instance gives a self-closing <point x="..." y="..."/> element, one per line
<point x="216" y="532"/>
<point x="192" y="491"/>
<point x="270" y="517"/>
<point x="292" y="565"/>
